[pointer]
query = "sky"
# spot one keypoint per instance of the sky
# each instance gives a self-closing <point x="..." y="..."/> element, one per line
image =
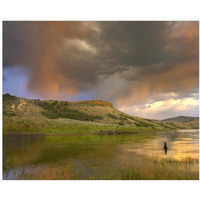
<point x="147" y="69"/>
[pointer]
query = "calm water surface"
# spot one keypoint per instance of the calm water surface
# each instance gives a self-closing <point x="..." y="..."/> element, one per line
<point x="23" y="153"/>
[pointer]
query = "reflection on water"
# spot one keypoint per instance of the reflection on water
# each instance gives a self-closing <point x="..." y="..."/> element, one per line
<point x="179" y="145"/>
<point x="24" y="153"/>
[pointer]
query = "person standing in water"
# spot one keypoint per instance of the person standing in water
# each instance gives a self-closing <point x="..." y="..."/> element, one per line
<point x="165" y="147"/>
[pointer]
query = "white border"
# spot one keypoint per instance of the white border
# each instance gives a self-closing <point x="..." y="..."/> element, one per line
<point x="98" y="10"/>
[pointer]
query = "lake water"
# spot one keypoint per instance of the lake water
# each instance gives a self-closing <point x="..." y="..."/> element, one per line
<point x="87" y="156"/>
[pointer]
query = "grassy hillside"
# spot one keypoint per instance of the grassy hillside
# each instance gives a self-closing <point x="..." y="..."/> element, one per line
<point x="36" y="116"/>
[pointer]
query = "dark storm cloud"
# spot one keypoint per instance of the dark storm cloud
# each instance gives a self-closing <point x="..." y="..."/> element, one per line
<point x="125" y="62"/>
<point x="134" y="43"/>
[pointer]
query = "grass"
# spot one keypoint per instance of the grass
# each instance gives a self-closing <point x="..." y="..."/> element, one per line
<point x="66" y="126"/>
<point x="136" y="169"/>
<point x="155" y="169"/>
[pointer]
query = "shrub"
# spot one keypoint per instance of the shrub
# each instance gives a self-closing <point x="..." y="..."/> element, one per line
<point x="112" y="116"/>
<point x="9" y="114"/>
<point x="59" y="110"/>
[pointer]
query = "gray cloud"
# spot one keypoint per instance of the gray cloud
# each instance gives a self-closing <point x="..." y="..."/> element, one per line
<point x="124" y="62"/>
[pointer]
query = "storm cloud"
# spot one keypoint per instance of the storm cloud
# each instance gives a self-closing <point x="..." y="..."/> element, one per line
<point x="128" y="63"/>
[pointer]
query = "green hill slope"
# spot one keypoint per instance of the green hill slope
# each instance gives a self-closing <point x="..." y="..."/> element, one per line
<point x="27" y="115"/>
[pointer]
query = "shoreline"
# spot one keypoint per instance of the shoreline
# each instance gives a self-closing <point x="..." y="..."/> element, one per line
<point x="13" y="133"/>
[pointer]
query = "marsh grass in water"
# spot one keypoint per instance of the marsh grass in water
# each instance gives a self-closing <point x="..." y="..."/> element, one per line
<point x="137" y="169"/>
<point x="157" y="169"/>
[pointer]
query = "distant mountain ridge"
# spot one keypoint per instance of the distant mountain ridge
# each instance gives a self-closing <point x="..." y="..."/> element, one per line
<point x="181" y="119"/>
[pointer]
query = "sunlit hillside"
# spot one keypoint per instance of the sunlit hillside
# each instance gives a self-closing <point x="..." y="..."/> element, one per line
<point x="20" y="114"/>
